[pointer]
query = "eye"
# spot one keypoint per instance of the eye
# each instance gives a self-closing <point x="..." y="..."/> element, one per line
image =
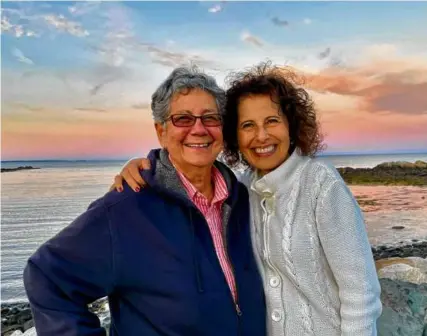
<point x="272" y="121"/>
<point x="247" y="125"/>
<point x="212" y="117"/>
<point x="182" y="119"/>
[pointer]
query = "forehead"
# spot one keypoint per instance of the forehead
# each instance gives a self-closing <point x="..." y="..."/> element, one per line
<point x="257" y="106"/>
<point x="195" y="101"/>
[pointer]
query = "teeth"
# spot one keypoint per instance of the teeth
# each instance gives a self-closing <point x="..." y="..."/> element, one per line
<point x="268" y="149"/>
<point x="197" y="145"/>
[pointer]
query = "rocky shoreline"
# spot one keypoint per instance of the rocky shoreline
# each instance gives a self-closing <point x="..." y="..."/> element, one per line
<point x="5" y="170"/>
<point x="387" y="173"/>
<point x="17" y="316"/>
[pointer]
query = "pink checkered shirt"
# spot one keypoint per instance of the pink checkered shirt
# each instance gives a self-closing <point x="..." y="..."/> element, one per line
<point x="212" y="213"/>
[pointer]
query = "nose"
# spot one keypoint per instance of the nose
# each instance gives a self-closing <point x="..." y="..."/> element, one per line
<point x="262" y="135"/>
<point x="198" y="128"/>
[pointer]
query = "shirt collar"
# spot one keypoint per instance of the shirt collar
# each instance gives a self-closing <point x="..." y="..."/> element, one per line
<point x="220" y="186"/>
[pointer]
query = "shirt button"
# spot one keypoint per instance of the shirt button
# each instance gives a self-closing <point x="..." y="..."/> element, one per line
<point x="274" y="282"/>
<point x="276" y="315"/>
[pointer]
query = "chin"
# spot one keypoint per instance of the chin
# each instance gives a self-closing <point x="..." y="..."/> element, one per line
<point x="200" y="161"/>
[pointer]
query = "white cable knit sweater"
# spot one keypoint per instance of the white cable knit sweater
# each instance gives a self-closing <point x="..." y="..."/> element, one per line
<point x="313" y="252"/>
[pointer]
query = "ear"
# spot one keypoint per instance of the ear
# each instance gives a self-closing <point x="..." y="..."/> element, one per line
<point x="161" y="131"/>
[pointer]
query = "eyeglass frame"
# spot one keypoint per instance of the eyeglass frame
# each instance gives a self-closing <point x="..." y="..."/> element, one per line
<point x="195" y="119"/>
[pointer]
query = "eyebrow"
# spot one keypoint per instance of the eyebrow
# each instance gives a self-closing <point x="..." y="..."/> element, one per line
<point x="270" y="116"/>
<point x="203" y="112"/>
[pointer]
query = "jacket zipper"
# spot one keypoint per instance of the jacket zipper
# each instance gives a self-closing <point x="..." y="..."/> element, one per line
<point x="236" y="304"/>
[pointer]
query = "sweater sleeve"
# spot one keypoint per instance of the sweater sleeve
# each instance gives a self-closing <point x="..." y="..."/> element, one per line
<point x="68" y="272"/>
<point x="345" y="243"/>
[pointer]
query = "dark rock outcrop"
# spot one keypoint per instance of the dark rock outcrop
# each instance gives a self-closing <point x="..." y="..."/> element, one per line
<point x="388" y="173"/>
<point x="5" y="170"/>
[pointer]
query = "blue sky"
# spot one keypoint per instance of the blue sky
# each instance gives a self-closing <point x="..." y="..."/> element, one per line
<point x="66" y="62"/>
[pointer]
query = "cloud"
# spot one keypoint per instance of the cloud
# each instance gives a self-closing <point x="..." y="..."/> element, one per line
<point x="25" y="106"/>
<point x="32" y="20"/>
<point x="65" y="25"/>
<point x="324" y="54"/>
<point x="141" y="106"/>
<point x="392" y="86"/>
<point x="16" y="30"/>
<point x="278" y="22"/>
<point x="21" y="57"/>
<point x="89" y="109"/>
<point x="170" y="58"/>
<point x="215" y="9"/>
<point x="307" y="21"/>
<point x="83" y="7"/>
<point x="251" y="39"/>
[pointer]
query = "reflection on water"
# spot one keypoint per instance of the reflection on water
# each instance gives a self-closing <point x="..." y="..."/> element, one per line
<point x="388" y="206"/>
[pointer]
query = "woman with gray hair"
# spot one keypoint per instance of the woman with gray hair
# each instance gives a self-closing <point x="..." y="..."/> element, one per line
<point x="174" y="259"/>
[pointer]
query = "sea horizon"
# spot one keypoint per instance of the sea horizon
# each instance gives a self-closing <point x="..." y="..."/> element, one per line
<point x="331" y="154"/>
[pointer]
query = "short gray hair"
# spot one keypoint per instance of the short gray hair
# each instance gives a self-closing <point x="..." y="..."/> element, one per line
<point x="182" y="79"/>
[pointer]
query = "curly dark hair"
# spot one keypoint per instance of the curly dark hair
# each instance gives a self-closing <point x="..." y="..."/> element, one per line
<point x="295" y="103"/>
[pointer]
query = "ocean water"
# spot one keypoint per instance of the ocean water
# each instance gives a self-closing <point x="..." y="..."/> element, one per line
<point x="36" y="204"/>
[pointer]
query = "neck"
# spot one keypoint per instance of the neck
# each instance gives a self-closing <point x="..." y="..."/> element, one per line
<point x="199" y="177"/>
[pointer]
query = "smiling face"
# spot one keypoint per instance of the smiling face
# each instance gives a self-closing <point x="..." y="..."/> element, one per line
<point x="262" y="133"/>
<point x="191" y="147"/>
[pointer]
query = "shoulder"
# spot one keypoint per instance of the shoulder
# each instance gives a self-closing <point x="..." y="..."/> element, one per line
<point x="322" y="171"/>
<point x="114" y="199"/>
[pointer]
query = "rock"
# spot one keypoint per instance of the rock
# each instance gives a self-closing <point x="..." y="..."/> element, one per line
<point x="398" y="227"/>
<point x="17" y="333"/>
<point x="28" y="325"/>
<point x="10" y="329"/>
<point x="418" y="249"/>
<point x="403" y="272"/>
<point x="30" y="332"/>
<point x="4" y="170"/>
<point x="404" y="308"/>
<point x="387" y="173"/>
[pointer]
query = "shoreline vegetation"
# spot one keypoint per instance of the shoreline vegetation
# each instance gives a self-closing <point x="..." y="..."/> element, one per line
<point x="399" y="173"/>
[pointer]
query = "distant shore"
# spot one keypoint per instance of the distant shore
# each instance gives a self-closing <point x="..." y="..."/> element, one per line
<point x="389" y="173"/>
<point x="5" y="170"/>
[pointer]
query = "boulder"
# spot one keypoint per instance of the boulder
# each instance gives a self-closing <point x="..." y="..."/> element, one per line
<point x="404" y="309"/>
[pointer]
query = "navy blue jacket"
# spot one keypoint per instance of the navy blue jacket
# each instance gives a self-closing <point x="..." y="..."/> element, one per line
<point x="152" y="254"/>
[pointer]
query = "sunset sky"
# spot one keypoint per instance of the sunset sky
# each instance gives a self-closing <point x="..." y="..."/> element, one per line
<point x="77" y="76"/>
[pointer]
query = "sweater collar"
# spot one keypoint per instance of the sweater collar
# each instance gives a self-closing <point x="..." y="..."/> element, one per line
<point x="280" y="178"/>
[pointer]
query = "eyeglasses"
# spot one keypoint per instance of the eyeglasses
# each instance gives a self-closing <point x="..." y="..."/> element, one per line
<point x="188" y="120"/>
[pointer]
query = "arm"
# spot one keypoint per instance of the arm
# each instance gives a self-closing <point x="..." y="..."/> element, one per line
<point x="344" y="240"/>
<point x="68" y="272"/>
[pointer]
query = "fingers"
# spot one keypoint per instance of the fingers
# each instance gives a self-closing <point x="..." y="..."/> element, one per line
<point x="130" y="179"/>
<point x="131" y="174"/>
<point x="118" y="183"/>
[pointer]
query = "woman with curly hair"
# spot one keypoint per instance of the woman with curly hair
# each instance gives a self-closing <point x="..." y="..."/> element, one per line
<point x="307" y="230"/>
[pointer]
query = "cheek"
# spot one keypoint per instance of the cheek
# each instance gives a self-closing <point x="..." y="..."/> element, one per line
<point x="216" y="133"/>
<point x="178" y="136"/>
<point x="243" y="141"/>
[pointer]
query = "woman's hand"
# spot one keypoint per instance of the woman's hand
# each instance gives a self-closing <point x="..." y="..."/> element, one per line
<point x="130" y="173"/>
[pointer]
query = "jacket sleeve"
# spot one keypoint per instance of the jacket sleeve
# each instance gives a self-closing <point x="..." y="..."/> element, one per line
<point x="68" y="272"/>
<point x="345" y="243"/>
